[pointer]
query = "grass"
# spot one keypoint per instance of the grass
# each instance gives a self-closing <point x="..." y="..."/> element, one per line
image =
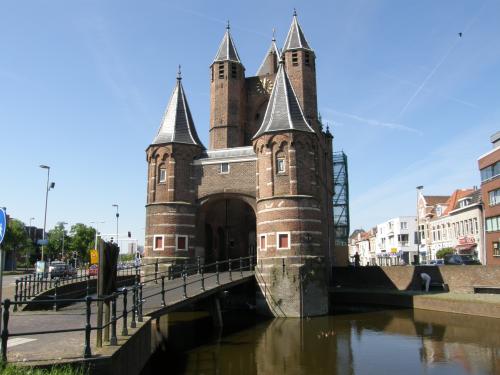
<point x="56" y="370"/>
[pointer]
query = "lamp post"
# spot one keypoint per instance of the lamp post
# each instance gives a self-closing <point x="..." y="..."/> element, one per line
<point x="117" y="216"/>
<point x="63" y="223"/>
<point x="51" y="186"/>
<point x="419" y="189"/>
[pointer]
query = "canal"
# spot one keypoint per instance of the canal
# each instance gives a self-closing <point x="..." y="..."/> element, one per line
<point x="364" y="342"/>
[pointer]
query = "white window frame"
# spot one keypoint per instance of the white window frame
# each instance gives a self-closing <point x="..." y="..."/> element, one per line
<point x="265" y="242"/>
<point x="278" y="160"/>
<point x="162" y="242"/>
<point x="177" y="236"/>
<point x="278" y="241"/>
<point x="160" y="180"/>
<point x="228" y="168"/>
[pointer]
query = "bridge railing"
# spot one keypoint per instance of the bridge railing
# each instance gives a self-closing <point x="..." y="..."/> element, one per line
<point x="138" y="299"/>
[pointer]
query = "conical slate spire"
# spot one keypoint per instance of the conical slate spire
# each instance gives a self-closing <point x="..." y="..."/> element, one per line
<point x="177" y="125"/>
<point x="283" y="110"/>
<point x="227" y="49"/>
<point x="295" y="38"/>
<point x="271" y="60"/>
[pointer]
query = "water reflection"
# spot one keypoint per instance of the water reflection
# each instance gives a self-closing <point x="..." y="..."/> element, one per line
<point x="376" y="342"/>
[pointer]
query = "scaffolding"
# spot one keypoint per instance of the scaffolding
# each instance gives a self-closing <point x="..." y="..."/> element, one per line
<point x="340" y="199"/>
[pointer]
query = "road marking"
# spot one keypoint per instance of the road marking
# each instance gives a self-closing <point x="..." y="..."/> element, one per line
<point x="18" y="341"/>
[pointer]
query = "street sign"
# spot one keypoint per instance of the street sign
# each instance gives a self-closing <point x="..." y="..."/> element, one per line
<point x="3" y="224"/>
<point x="42" y="242"/>
<point x="94" y="256"/>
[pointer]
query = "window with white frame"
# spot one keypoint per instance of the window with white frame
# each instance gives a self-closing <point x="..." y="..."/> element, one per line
<point x="404" y="225"/>
<point x="494" y="197"/>
<point x="493" y="224"/>
<point x="162" y="175"/>
<point x="224" y="168"/>
<point x="158" y="242"/>
<point x="280" y="165"/>
<point x="282" y="240"/>
<point x="181" y="242"/>
<point x="263" y="242"/>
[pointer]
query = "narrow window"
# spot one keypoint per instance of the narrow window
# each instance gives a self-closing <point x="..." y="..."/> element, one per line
<point x="162" y="175"/>
<point x="221" y="70"/>
<point x="295" y="59"/>
<point x="181" y="243"/>
<point x="158" y="242"/>
<point x="263" y="242"/>
<point x="224" y="168"/>
<point x="234" y="71"/>
<point x="306" y="58"/>
<point x="283" y="241"/>
<point x="280" y="165"/>
<point x="496" y="249"/>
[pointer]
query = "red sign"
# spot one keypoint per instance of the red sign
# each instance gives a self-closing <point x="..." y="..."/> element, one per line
<point x="466" y="240"/>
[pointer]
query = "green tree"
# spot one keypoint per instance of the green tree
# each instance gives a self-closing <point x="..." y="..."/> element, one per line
<point x="55" y="246"/>
<point x="445" y="251"/>
<point x="16" y="239"/>
<point x="82" y="240"/>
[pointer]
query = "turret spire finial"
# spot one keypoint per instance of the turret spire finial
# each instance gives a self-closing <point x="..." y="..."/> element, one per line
<point x="274" y="35"/>
<point x="227" y="25"/>
<point x="179" y="76"/>
<point x="294" y="12"/>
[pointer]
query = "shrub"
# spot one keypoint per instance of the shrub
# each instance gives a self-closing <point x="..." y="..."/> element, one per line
<point x="445" y="251"/>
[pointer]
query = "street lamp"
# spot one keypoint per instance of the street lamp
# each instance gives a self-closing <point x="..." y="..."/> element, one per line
<point x="51" y="186"/>
<point x="63" y="223"/>
<point x="117" y="216"/>
<point x="419" y="189"/>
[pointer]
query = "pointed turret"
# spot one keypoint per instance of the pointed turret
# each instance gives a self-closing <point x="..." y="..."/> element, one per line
<point x="295" y="38"/>
<point x="227" y="50"/>
<point x="271" y="60"/>
<point x="283" y="110"/>
<point x="300" y="63"/>
<point x="227" y="104"/>
<point x="177" y="125"/>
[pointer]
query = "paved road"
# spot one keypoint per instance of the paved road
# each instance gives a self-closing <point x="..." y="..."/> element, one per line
<point x="70" y="345"/>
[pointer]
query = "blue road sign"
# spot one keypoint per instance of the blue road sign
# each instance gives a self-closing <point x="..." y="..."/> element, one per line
<point x="3" y="224"/>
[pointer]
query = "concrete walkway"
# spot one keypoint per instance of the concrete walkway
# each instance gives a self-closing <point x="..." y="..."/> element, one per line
<point x="70" y="345"/>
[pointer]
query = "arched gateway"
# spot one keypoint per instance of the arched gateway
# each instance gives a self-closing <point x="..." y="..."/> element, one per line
<point x="264" y="186"/>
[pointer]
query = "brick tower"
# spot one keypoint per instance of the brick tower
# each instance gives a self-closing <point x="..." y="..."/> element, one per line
<point x="263" y="187"/>
<point x="227" y="99"/>
<point x="170" y="208"/>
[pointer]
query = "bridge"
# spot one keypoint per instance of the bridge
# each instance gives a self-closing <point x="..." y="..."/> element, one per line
<point x="71" y="332"/>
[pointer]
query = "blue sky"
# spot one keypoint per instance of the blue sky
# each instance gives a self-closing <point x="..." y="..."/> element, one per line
<point x="83" y="86"/>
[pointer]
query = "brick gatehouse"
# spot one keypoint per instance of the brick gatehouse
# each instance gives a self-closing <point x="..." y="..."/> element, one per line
<point x="263" y="186"/>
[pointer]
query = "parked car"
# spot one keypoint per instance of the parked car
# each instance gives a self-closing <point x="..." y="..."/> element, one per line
<point x="93" y="270"/>
<point x="436" y="262"/>
<point x="456" y="259"/>
<point x="71" y="271"/>
<point x="57" y="269"/>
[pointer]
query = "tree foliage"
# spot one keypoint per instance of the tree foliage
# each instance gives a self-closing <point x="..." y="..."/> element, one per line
<point x="82" y="240"/>
<point x="16" y="238"/>
<point x="440" y="254"/>
<point x="55" y="237"/>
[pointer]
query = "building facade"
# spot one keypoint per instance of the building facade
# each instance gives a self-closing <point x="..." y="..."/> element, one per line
<point x="396" y="241"/>
<point x="454" y="221"/>
<point x="264" y="185"/>
<point x="489" y="166"/>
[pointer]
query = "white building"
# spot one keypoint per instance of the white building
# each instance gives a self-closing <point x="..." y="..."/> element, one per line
<point x="395" y="241"/>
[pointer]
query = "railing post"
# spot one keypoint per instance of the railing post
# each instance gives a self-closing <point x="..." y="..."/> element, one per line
<point x="139" y="304"/>
<point x="203" y="278"/>
<point x="25" y="297"/>
<point x="134" y="300"/>
<point x="124" y="327"/>
<point x="170" y="271"/>
<point x="46" y="280"/>
<point x="16" y="298"/>
<point x="55" y="295"/>
<point x="5" y="330"/>
<point x="37" y="277"/>
<point x="162" y="290"/>
<point x="113" y="340"/>
<point x="250" y="266"/>
<point x="86" y="351"/>
<point x="88" y="285"/>
<point x="29" y="286"/>
<point x="241" y="266"/>
<point x="184" y="286"/>
<point x="198" y="263"/>
<point x="283" y="259"/>
<point x="230" y="270"/>
<point x="217" y="272"/>
<point x="156" y="271"/>
<point x="33" y="286"/>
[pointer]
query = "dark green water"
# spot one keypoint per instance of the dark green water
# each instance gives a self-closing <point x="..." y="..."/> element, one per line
<point x="376" y="342"/>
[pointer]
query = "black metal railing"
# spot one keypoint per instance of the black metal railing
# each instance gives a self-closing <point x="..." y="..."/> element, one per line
<point x="203" y="272"/>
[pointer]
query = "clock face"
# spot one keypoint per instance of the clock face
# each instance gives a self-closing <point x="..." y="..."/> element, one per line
<point x="265" y="86"/>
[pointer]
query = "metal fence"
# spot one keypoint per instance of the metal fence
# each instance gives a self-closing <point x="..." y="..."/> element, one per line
<point x="135" y="310"/>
